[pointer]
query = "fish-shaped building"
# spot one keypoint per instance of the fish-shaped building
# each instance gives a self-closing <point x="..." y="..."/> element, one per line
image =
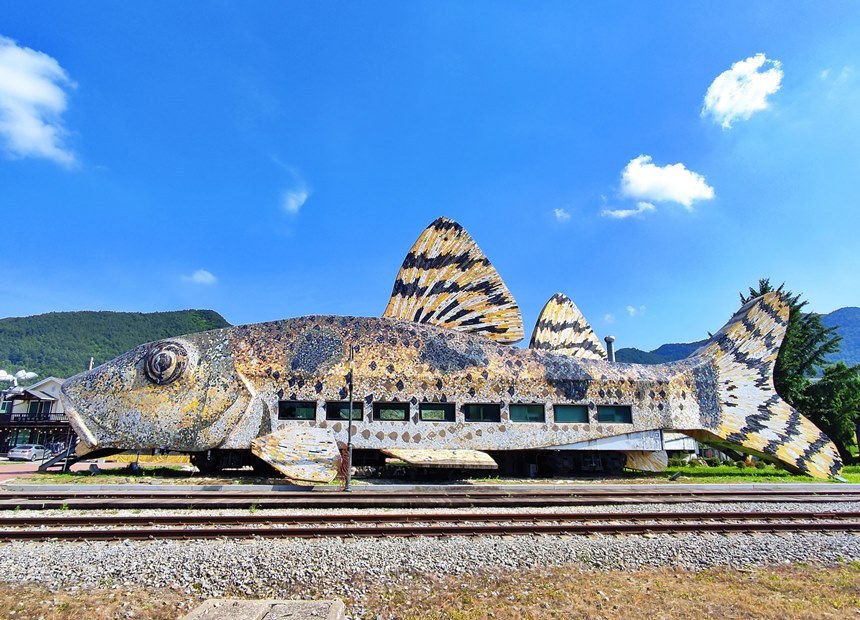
<point x="437" y="382"/>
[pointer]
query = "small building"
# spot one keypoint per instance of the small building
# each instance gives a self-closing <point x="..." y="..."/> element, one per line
<point x="34" y="414"/>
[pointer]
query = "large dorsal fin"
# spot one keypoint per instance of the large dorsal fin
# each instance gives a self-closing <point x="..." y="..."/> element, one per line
<point x="561" y="328"/>
<point x="446" y="280"/>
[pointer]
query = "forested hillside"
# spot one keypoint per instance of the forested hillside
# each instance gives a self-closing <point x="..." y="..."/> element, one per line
<point x="847" y="322"/>
<point x="61" y="343"/>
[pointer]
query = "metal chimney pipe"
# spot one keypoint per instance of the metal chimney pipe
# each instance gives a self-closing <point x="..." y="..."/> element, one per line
<point x="610" y="348"/>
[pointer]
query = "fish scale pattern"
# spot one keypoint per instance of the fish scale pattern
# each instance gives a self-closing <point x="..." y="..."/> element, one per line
<point x="561" y="328"/>
<point x="753" y="415"/>
<point x="446" y="280"/>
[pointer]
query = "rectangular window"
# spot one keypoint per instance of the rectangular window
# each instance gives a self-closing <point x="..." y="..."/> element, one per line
<point x="577" y="414"/>
<point x="46" y="406"/>
<point x="437" y="412"/>
<point x="483" y="413"/>
<point x="33" y="407"/>
<point x="527" y="413"/>
<point x="619" y="414"/>
<point x="340" y="411"/>
<point x="5" y="406"/>
<point x="296" y="410"/>
<point x="391" y="411"/>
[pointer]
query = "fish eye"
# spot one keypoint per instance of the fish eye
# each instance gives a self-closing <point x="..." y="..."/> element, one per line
<point x="165" y="362"/>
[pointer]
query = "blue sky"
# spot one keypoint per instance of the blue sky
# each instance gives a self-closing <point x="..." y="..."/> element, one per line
<point x="275" y="159"/>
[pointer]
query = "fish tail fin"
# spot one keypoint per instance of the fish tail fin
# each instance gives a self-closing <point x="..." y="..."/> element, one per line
<point x="751" y="417"/>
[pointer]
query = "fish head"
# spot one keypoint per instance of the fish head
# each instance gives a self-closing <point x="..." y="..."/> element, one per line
<point x="181" y="393"/>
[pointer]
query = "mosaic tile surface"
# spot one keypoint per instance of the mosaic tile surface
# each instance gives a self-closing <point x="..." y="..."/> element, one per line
<point x="221" y="389"/>
<point x="562" y="329"/>
<point x="300" y="453"/>
<point x="446" y="280"/>
<point x="466" y="459"/>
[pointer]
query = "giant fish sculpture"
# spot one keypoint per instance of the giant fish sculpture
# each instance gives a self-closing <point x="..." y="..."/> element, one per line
<point x="437" y="382"/>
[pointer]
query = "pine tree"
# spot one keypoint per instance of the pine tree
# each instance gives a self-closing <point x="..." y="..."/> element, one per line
<point x="835" y="399"/>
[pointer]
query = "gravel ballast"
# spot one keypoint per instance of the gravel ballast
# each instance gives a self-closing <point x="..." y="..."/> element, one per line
<point x="345" y="568"/>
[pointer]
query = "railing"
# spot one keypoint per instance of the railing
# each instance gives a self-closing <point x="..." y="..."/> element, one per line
<point x="34" y="417"/>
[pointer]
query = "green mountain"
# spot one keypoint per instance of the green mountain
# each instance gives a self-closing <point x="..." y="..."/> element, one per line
<point x="61" y="344"/>
<point x="663" y="353"/>
<point x="847" y="321"/>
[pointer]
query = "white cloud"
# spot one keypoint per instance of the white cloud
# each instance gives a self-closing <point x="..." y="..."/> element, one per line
<point x="633" y="310"/>
<point x="32" y="100"/>
<point x="561" y="215"/>
<point x="201" y="276"/>
<point x="608" y="318"/>
<point x="643" y="180"/>
<point x="620" y="214"/>
<point x="742" y="90"/>
<point x="844" y="75"/>
<point x="292" y="200"/>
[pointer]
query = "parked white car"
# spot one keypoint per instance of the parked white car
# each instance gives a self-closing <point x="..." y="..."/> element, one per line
<point x="27" y="452"/>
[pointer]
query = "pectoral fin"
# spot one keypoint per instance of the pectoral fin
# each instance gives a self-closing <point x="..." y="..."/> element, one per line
<point x="300" y="453"/>
<point x="647" y="460"/>
<point x="461" y="459"/>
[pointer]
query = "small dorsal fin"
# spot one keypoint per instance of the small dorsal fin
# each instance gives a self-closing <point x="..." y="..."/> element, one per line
<point x="561" y="328"/>
<point x="446" y="280"/>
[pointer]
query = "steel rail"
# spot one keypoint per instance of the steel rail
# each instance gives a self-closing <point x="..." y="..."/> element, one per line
<point x="428" y="517"/>
<point x="379" y="500"/>
<point x="435" y="529"/>
<point x="640" y="490"/>
<point x="86" y="499"/>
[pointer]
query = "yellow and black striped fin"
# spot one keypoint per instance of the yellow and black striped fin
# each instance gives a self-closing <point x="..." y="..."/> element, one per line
<point x="561" y="328"/>
<point x="446" y="280"/>
<point x="752" y="417"/>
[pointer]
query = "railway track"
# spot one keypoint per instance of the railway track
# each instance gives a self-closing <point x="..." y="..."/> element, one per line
<point x="388" y="524"/>
<point x="455" y="497"/>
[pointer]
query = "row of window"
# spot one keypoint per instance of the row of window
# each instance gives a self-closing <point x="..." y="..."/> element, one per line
<point x="33" y="407"/>
<point x="445" y="412"/>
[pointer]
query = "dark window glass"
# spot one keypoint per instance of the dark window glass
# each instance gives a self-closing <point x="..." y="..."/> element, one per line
<point x="391" y="411"/>
<point x="4" y="406"/>
<point x="483" y="413"/>
<point x="578" y="414"/>
<point x="620" y="414"/>
<point x="296" y="410"/>
<point x="340" y="411"/>
<point x="527" y="413"/>
<point x="437" y="412"/>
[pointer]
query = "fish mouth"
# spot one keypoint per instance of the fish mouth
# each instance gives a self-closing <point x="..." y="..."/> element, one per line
<point x="77" y="420"/>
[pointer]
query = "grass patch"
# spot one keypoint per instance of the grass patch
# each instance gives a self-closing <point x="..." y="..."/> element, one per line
<point x="771" y="593"/>
<point x="176" y="474"/>
<point x="731" y="473"/>
<point x="114" y="476"/>
<point x="105" y="603"/>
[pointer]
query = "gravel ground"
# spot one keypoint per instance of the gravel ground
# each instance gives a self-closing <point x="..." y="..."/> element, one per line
<point x="347" y="568"/>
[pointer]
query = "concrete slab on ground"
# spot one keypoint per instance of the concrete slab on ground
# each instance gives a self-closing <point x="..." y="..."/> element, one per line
<point x="237" y="609"/>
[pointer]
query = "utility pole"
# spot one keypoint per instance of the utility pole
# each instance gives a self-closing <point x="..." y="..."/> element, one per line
<point x="348" y="486"/>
